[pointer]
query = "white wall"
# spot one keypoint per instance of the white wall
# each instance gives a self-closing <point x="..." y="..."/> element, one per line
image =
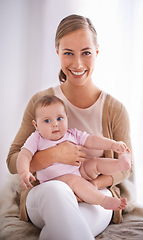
<point x="28" y="61"/>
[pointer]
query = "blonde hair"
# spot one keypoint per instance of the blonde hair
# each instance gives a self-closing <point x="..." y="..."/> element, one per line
<point x="46" y="101"/>
<point x="69" y="24"/>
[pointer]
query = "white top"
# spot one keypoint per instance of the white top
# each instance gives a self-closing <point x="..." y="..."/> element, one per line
<point x="88" y="119"/>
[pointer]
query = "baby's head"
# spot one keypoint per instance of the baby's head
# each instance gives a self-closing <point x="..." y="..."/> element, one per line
<point x="50" y="117"/>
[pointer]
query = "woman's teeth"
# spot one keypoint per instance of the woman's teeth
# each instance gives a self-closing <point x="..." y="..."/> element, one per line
<point x="78" y="73"/>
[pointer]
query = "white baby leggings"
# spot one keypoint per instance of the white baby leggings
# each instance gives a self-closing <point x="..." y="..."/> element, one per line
<point x="53" y="207"/>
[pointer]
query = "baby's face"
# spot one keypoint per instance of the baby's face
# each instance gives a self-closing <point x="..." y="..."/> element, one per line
<point x="51" y="121"/>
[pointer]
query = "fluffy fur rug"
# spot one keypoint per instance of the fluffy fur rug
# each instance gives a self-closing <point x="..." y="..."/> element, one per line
<point x="10" y="226"/>
<point x="13" y="229"/>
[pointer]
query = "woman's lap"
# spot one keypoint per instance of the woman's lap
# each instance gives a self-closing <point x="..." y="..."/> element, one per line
<point x="53" y="202"/>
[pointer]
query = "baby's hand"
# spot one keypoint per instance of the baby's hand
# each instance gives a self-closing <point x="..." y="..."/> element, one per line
<point x="25" y="179"/>
<point x="120" y="147"/>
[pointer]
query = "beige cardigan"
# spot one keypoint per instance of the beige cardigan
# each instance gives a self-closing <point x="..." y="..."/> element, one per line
<point x="115" y="124"/>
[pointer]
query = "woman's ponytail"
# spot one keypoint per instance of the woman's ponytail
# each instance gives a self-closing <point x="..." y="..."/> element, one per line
<point x="62" y="76"/>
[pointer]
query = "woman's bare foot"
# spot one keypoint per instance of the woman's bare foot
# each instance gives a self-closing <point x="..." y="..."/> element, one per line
<point x="114" y="203"/>
<point x="124" y="161"/>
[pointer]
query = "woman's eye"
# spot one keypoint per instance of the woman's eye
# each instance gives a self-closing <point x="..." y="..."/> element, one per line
<point x="47" y="120"/>
<point x="59" y="118"/>
<point x="86" y="53"/>
<point x="68" y="53"/>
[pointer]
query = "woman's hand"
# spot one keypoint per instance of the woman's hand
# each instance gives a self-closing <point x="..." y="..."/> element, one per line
<point x="65" y="152"/>
<point x="70" y="153"/>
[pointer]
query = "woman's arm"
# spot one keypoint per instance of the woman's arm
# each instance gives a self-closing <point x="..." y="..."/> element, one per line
<point x="24" y="132"/>
<point x="65" y="152"/>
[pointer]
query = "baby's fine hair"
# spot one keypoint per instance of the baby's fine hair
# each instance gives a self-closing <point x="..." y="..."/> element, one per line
<point x="46" y="101"/>
<point x="70" y="24"/>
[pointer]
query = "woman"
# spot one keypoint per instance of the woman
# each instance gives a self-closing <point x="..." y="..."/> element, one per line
<point x="53" y="207"/>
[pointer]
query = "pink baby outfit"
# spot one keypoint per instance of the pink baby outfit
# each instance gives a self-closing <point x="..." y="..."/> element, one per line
<point x="35" y="142"/>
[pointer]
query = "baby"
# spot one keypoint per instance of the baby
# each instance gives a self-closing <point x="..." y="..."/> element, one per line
<point x="51" y="124"/>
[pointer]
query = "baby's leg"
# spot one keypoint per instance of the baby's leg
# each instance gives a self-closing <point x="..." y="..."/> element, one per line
<point x="93" y="167"/>
<point x="90" y="194"/>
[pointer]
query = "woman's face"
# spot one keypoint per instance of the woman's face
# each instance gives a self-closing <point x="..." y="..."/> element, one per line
<point x="77" y="52"/>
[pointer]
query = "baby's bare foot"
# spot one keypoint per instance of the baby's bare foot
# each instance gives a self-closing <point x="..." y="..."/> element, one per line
<point x="125" y="161"/>
<point x="114" y="203"/>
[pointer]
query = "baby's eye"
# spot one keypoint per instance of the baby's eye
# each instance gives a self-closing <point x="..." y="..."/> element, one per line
<point x="59" y="118"/>
<point x="47" y="120"/>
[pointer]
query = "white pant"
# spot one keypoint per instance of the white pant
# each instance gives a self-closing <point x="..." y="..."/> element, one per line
<point x="52" y="206"/>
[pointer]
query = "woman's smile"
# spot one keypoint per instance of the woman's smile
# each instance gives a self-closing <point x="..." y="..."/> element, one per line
<point x="78" y="73"/>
